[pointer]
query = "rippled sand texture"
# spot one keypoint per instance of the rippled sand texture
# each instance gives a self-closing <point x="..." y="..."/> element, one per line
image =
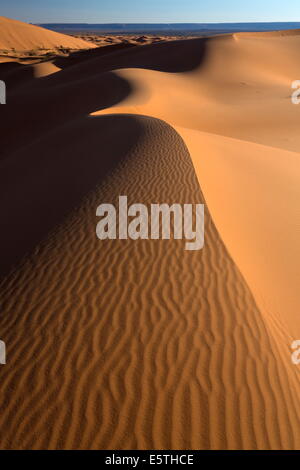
<point x="141" y="344"/>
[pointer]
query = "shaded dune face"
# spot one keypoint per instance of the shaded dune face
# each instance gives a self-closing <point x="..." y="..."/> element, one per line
<point x="48" y="107"/>
<point x="55" y="173"/>
<point x="124" y="344"/>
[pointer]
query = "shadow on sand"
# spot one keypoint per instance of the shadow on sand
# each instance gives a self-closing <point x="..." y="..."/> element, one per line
<point x="40" y="186"/>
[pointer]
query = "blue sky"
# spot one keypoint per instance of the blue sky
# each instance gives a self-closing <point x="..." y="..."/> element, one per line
<point x="153" y="11"/>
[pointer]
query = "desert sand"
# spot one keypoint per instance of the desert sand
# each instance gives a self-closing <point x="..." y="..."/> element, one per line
<point x="18" y="39"/>
<point x="123" y="344"/>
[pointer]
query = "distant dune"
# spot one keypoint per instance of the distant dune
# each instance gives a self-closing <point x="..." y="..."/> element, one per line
<point x="25" y="37"/>
<point x="269" y="34"/>
<point x="125" y="344"/>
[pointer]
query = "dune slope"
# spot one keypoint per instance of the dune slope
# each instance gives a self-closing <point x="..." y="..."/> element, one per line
<point x="22" y="37"/>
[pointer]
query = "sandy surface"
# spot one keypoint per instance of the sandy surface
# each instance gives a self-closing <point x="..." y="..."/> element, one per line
<point x="21" y="40"/>
<point x="142" y="344"/>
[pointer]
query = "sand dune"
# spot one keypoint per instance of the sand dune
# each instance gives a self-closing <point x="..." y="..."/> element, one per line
<point x="269" y="34"/>
<point x="141" y="344"/>
<point x="18" y="36"/>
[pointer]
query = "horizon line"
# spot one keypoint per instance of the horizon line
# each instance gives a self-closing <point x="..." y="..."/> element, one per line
<point x="172" y="23"/>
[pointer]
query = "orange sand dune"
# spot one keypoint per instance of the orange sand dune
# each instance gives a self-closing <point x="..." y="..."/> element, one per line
<point x="127" y="344"/>
<point x="24" y="37"/>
